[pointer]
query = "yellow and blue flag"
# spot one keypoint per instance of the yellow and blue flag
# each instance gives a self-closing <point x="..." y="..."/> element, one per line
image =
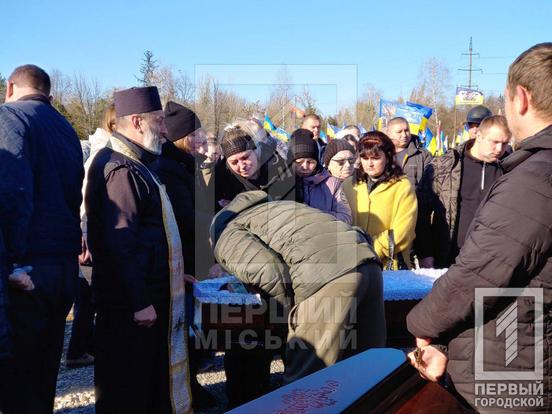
<point x="330" y="131"/>
<point x="462" y="136"/>
<point x="280" y="134"/>
<point x="430" y="142"/>
<point x="268" y="125"/>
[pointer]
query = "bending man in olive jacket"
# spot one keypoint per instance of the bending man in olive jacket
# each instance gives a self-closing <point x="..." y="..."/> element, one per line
<point x="321" y="270"/>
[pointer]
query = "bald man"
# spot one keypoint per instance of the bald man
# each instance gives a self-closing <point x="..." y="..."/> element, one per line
<point x="414" y="161"/>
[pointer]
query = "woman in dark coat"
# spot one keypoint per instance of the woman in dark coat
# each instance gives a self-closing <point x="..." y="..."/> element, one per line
<point x="248" y="167"/>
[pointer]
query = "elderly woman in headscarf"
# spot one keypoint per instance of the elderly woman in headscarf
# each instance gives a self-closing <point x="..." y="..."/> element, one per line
<point x="340" y="158"/>
<point x="315" y="186"/>
<point x="249" y="166"/>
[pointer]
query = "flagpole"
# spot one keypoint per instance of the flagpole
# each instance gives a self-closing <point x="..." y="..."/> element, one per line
<point x="454" y="130"/>
<point x="439" y="143"/>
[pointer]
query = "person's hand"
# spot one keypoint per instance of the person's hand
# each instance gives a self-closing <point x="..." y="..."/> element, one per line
<point x="146" y="317"/>
<point x="427" y="262"/>
<point x="85" y="259"/>
<point x="21" y="280"/>
<point x="428" y="360"/>
<point x="189" y="278"/>
<point x="215" y="271"/>
<point x="223" y="202"/>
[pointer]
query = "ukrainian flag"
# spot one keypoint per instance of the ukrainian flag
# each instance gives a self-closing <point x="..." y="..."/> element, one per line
<point x="330" y="131"/>
<point x="462" y="136"/>
<point x="442" y="143"/>
<point x="280" y="134"/>
<point x="268" y="125"/>
<point x="416" y="129"/>
<point x="380" y="124"/>
<point x="430" y="142"/>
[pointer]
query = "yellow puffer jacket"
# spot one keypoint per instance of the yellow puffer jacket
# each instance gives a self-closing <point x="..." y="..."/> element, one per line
<point x="391" y="205"/>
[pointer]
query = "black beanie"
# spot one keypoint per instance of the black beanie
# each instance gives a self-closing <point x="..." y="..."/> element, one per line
<point x="335" y="146"/>
<point x="180" y="121"/>
<point x="235" y="141"/>
<point x="302" y="145"/>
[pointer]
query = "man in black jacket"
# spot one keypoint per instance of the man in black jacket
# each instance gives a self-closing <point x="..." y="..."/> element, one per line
<point x="509" y="245"/>
<point x="414" y="160"/>
<point x="458" y="181"/>
<point x="42" y="173"/>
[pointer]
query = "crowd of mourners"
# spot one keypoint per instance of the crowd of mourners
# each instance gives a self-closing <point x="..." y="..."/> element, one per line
<point x="154" y="202"/>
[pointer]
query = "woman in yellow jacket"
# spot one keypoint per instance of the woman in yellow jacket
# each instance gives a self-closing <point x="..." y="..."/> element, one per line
<point x="383" y="201"/>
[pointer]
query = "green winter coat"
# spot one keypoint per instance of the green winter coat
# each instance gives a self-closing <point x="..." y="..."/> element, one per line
<point x="286" y="249"/>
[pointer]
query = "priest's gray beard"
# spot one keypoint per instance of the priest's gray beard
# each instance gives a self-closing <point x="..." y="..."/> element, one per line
<point x="152" y="141"/>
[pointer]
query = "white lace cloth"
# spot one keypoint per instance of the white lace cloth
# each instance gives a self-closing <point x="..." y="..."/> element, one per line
<point x="208" y="291"/>
<point x="397" y="285"/>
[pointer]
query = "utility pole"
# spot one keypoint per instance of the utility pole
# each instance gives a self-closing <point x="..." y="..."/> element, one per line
<point x="470" y="68"/>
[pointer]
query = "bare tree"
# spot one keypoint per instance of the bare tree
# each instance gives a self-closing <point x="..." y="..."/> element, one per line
<point x="165" y="81"/>
<point x="281" y="98"/>
<point x="434" y="80"/>
<point x="2" y="89"/>
<point x="86" y="105"/>
<point x="217" y="107"/>
<point x="60" y="86"/>
<point x="365" y="111"/>
<point x="184" y="89"/>
<point x="306" y="100"/>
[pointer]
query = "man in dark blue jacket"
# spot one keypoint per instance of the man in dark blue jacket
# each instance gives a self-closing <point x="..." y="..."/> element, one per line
<point x="5" y="344"/>
<point x="42" y="172"/>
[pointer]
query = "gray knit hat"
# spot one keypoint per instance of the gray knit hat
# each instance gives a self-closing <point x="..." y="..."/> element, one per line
<point x="335" y="146"/>
<point x="302" y="145"/>
<point x="236" y="140"/>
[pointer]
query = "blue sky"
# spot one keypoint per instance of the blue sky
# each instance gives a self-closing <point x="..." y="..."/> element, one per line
<point x="337" y="47"/>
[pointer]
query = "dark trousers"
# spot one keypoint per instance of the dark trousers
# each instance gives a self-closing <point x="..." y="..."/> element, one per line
<point x="247" y="374"/>
<point x="4" y="384"/>
<point x="81" y="341"/>
<point x="38" y="325"/>
<point x="131" y="372"/>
